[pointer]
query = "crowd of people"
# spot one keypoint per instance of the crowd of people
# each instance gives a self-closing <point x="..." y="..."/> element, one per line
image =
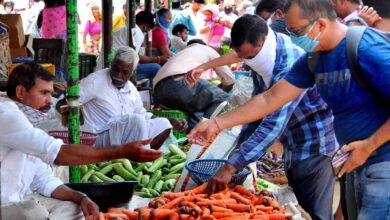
<point x="321" y="79"/>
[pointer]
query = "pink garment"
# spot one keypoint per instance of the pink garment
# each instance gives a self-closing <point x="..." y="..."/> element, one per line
<point x="216" y="33"/>
<point x="54" y="23"/>
<point x="159" y="37"/>
<point x="92" y="29"/>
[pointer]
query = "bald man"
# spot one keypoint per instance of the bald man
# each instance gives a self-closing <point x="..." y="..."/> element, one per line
<point x="113" y="108"/>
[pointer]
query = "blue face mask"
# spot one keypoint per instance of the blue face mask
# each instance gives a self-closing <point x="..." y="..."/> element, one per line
<point x="164" y="23"/>
<point x="305" y="42"/>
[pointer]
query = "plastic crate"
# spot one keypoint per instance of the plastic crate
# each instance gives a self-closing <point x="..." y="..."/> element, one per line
<point x="171" y="114"/>
<point x="202" y="170"/>
<point x="86" y="138"/>
<point x="87" y="63"/>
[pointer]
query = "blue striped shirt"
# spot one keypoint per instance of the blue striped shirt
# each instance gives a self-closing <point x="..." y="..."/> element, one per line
<point x="304" y="126"/>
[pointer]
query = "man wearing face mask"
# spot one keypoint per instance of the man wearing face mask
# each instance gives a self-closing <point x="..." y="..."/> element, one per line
<point x="272" y="12"/>
<point x="304" y="125"/>
<point x="113" y="107"/>
<point x="228" y="15"/>
<point x="148" y="66"/>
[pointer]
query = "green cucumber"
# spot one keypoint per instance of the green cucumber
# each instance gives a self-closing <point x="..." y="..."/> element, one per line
<point x="106" y="169"/>
<point x="118" y="178"/>
<point x="158" y="186"/>
<point x="92" y="166"/>
<point x="172" y="176"/>
<point x="154" y="179"/>
<point x="140" y="166"/>
<point x="103" y="177"/>
<point x="175" y="157"/>
<point x="96" y="179"/>
<point x="165" y="170"/>
<point x="176" y="161"/>
<point x="139" y="176"/>
<point x="126" y="163"/>
<point x="156" y="164"/>
<point x="144" y="194"/>
<point x="87" y="176"/>
<point x="154" y="192"/>
<point x="168" y="185"/>
<point x="121" y="171"/>
<point x="177" y="168"/>
<point x="83" y="169"/>
<point x="103" y="164"/>
<point x="176" y="150"/>
<point x="145" y="180"/>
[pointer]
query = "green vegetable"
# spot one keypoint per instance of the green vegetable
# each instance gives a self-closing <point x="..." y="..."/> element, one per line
<point x="165" y="170"/>
<point x="148" y="164"/>
<point x="159" y="185"/>
<point x="176" y="161"/>
<point x="140" y="167"/>
<point x="103" y="164"/>
<point x="172" y="176"/>
<point x="168" y="185"/>
<point x="106" y="169"/>
<point x="144" y="194"/>
<point x="175" y="157"/>
<point x="145" y="180"/>
<point x="154" y="192"/>
<point x="83" y="169"/>
<point x="156" y="164"/>
<point x="126" y="163"/>
<point x="118" y="178"/>
<point x="176" y="150"/>
<point x="139" y="176"/>
<point x="96" y="179"/>
<point x="177" y="168"/>
<point x="154" y="179"/>
<point x="103" y="177"/>
<point x="120" y="170"/>
<point x="92" y="166"/>
<point x="87" y="176"/>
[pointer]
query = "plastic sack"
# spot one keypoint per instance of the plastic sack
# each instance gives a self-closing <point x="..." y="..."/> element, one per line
<point x="242" y="90"/>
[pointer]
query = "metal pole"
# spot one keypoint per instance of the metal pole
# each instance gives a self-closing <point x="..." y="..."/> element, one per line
<point x="148" y="50"/>
<point x="72" y="68"/>
<point x="131" y="7"/>
<point x="107" y="29"/>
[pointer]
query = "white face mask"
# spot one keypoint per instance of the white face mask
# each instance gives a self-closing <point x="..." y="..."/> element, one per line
<point x="269" y="21"/>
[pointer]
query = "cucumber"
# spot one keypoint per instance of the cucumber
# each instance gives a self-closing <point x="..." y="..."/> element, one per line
<point x="92" y="166"/>
<point x="158" y="186"/>
<point x="103" y="177"/>
<point x="121" y="171"/>
<point x="175" y="157"/>
<point x="165" y="170"/>
<point x="172" y="176"/>
<point x="140" y="166"/>
<point x="103" y="164"/>
<point x="176" y="150"/>
<point x="154" y="179"/>
<point x="177" y="168"/>
<point x="139" y="176"/>
<point x="126" y="163"/>
<point x="145" y="180"/>
<point x="96" y="179"/>
<point x="156" y="164"/>
<point x="87" y="176"/>
<point x="168" y="185"/>
<point x="83" y="169"/>
<point x="106" y="169"/>
<point x="176" y="161"/>
<point x="154" y="192"/>
<point x="118" y="178"/>
<point x="144" y="194"/>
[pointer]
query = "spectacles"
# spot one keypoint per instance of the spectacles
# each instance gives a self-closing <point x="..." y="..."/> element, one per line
<point x="299" y="32"/>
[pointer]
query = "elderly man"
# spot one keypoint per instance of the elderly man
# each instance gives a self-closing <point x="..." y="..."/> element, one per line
<point x="304" y="126"/>
<point x="171" y="90"/>
<point x="361" y="115"/>
<point x="113" y="107"/>
<point x="27" y="153"/>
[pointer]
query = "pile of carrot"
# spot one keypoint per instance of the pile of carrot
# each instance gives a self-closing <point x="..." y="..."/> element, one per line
<point x="235" y="203"/>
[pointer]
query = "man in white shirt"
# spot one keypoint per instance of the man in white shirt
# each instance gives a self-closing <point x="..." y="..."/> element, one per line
<point x="171" y="90"/>
<point x="179" y="37"/>
<point x="27" y="153"/>
<point x="113" y="107"/>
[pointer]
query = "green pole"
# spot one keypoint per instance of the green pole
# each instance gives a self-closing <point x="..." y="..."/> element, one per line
<point x="170" y="4"/>
<point x="72" y="68"/>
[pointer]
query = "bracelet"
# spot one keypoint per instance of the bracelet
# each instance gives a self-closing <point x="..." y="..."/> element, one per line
<point x="81" y="198"/>
<point x="158" y="59"/>
<point x="216" y="122"/>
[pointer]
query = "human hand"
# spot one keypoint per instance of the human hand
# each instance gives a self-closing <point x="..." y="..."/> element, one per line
<point x="179" y="124"/>
<point x="221" y="179"/>
<point x="193" y="76"/>
<point x="369" y="15"/>
<point x="203" y="132"/>
<point x="163" y="59"/>
<point x="359" y="152"/>
<point x="89" y="208"/>
<point x="136" y="151"/>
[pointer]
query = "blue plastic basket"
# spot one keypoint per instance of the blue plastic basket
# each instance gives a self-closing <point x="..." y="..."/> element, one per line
<point x="202" y="170"/>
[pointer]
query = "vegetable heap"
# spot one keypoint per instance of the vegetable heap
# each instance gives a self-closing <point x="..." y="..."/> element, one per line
<point x="271" y="167"/>
<point x="231" y="204"/>
<point x="153" y="178"/>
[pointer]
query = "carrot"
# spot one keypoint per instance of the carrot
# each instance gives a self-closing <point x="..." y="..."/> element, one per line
<point x="278" y="217"/>
<point x="207" y="217"/>
<point x="240" y="198"/>
<point x="259" y="200"/>
<point x="101" y="216"/>
<point x="219" y="209"/>
<point x="206" y="211"/>
<point x="161" y="213"/>
<point x="157" y="202"/>
<point x="198" y="190"/>
<point x="227" y="214"/>
<point x="130" y="214"/>
<point x="172" y="196"/>
<point x="263" y="208"/>
<point x="217" y="196"/>
<point x="221" y="202"/>
<point x="184" y="216"/>
<point x="239" y="207"/>
<point x="144" y="213"/>
<point x="192" y="198"/>
<point x="258" y="212"/>
<point x="172" y="203"/>
<point x="244" y="217"/>
<point x="114" y="210"/>
<point x="174" y="216"/>
<point x="227" y="195"/>
<point x="268" y="201"/>
<point x="115" y="216"/>
<point x="244" y="191"/>
<point x="260" y="217"/>
<point x="196" y="211"/>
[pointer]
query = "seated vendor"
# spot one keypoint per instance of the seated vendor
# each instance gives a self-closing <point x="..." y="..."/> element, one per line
<point x="113" y="107"/>
<point x="171" y="90"/>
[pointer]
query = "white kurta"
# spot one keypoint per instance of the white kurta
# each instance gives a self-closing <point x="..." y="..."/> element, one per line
<point x="104" y="104"/>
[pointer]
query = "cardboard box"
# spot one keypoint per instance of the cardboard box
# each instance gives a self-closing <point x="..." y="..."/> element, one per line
<point x="15" y="27"/>
<point x="19" y="52"/>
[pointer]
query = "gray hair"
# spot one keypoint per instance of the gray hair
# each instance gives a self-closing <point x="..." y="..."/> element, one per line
<point x="313" y="9"/>
<point x="126" y="54"/>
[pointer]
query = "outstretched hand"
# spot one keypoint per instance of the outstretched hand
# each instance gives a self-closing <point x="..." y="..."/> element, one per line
<point x="203" y="132"/>
<point x="136" y="151"/>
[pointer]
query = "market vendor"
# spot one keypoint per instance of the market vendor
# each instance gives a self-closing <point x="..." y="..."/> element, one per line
<point x="171" y="90"/>
<point x="304" y="126"/>
<point x="113" y="108"/>
<point x="28" y="188"/>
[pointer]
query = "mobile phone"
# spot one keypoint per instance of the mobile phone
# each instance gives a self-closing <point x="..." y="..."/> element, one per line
<point x="338" y="162"/>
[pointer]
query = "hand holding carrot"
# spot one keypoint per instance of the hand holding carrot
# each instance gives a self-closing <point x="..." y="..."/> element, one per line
<point x="221" y="179"/>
